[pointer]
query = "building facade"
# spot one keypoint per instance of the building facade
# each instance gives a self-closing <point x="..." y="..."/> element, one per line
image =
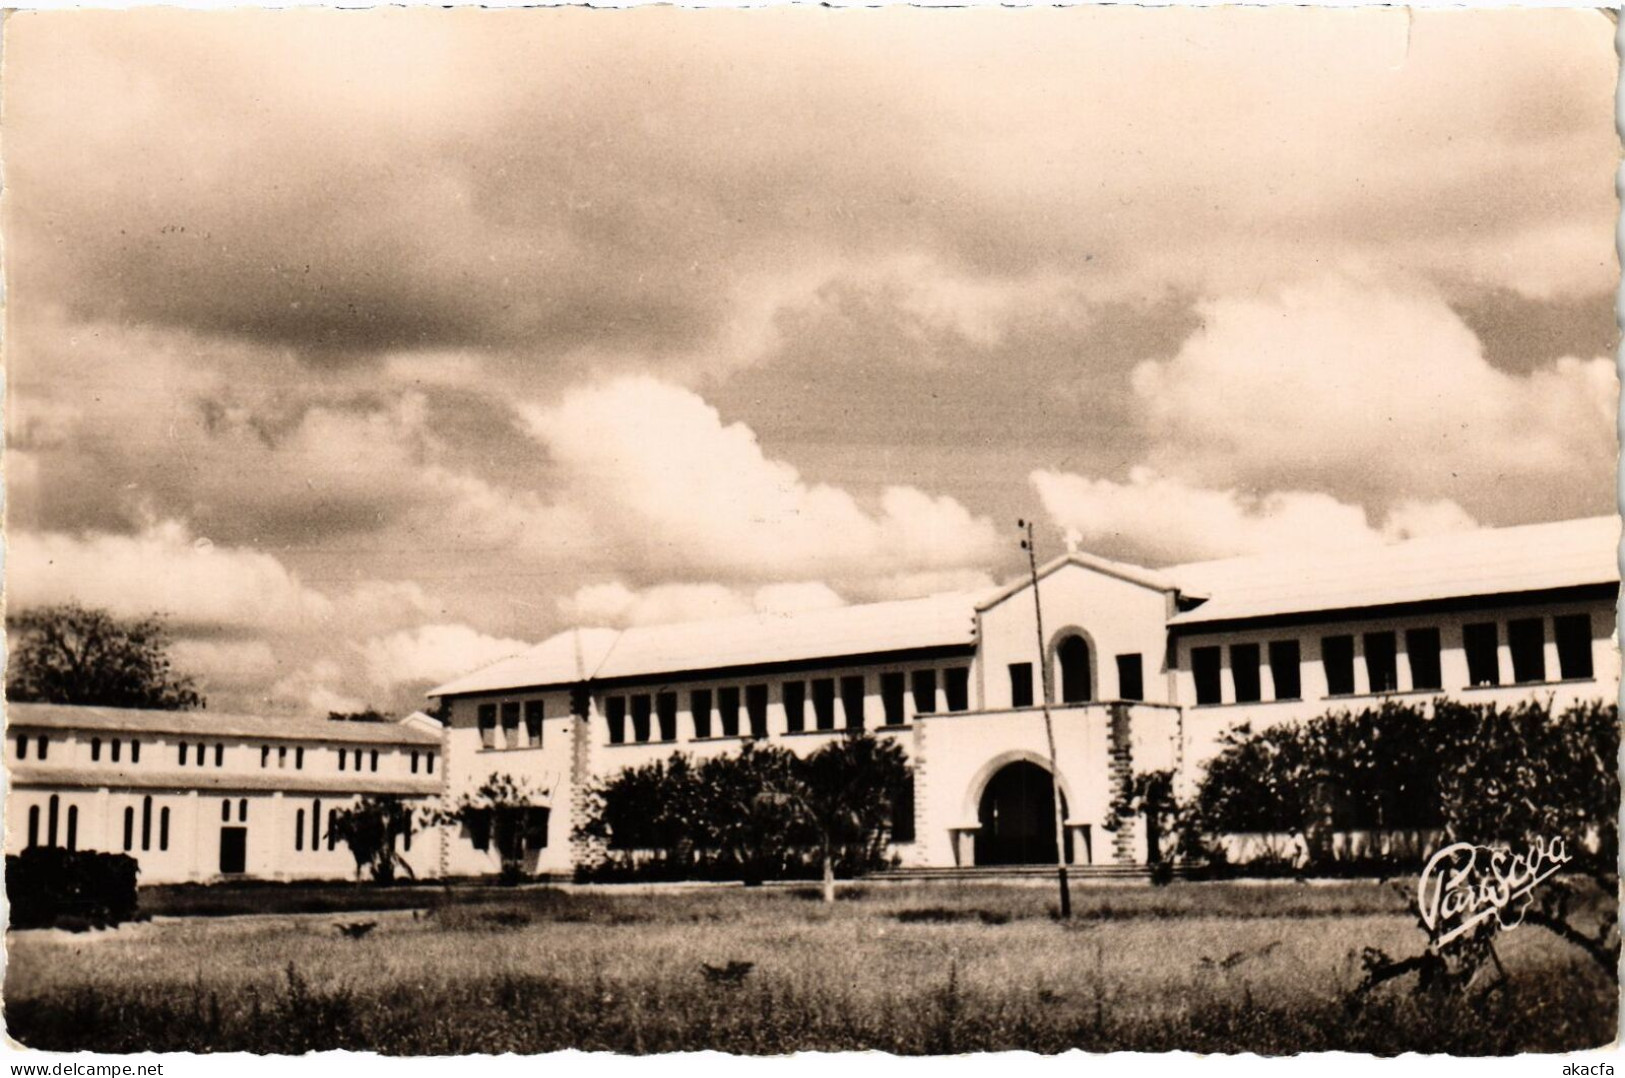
<point x="1143" y="669"/>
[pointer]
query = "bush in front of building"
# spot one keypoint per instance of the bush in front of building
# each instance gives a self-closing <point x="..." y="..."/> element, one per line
<point x="1379" y="789"/>
<point x="761" y="814"/>
<point x="50" y="887"/>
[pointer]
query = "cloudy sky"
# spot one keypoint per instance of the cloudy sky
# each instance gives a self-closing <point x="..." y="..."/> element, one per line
<point x="371" y="346"/>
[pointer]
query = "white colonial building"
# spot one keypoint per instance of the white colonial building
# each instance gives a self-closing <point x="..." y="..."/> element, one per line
<point x="1147" y="667"/>
<point x="198" y="795"/>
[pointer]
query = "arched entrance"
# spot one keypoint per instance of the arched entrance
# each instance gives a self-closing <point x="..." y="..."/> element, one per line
<point x="1073" y="656"/>
<point x="1017" y="814"/>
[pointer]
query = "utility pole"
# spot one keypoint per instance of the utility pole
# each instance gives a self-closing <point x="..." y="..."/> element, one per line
<point x="1049" y="723"/>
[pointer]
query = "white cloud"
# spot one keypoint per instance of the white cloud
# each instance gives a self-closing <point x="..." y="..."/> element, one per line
<point x="164" y="569"/>
<point x="1168" y="520"/>
<point x="659" y="476"/>
<point x="309" y="690"/>
<point x="614" y="603"/>
<point x="1359" y="388"/>
<point x="432" y="653"/>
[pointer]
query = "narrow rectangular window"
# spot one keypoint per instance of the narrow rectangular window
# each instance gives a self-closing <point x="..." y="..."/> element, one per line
<point x="220" y="756"/>
<point x="1205" y="666"/>
<point x="225" y="811"/>
<point x="699" y="709"/>
<point x="299" y="758"/>
<point x="1382" y="662"/>
<point x="146" y="823"/>
<point x="33" y="826"/>
<point x="315" y="825"/>
<point x="1526" y="639"/>
<point x="893" y="690"/>
<point x="73" y="828"/>
<point x="1130" y="677"/>
<point x="373" y="762"/>
<point x="956" y="687"/>
<point x="332" y="830"/>
<point x="135" y="752"/>
<point x="265" y="756"/>
<point x="95" y="749"/>
<point x="55" y="811"/>
<point x="1286" y="669"/>
<point x="823" y="694"/>
<point x="1244" y="673"/>
<point x="129" y="828"/>
<point x="533" y="723"/>
<point x="852" y="693"/>
<point x="642" y="707"/>
<point x="242" y="810"/>
<point x="902" y="813"/>
<point x="299" y="830"/>
<point x="414" y="761"/>
<point x="925" y="692"/>
<point x="202" y="755"/>
<point x="44" y="746"/>
<point x="755" y="709"/>
<point x="429" y="759"/>
<point x="510" y="724"/>
<point x="344" y="757"/>
<point x="1337" y="660"/>
<point x="1482" y="643"/>
<point x="795" y="706"/>
<point x="666" y="711"/>
<point x="1573" y="632"/>
<point x="22" y="747"/>
<point x="1422" y="655"/>
<point x="1021" y="684"/>
<point x="163" y="829"/>
<point x="728" y="710"/>
<point x="181" y="752"/>
<point x="615" y="716"/>
<point x="488" y="726"/>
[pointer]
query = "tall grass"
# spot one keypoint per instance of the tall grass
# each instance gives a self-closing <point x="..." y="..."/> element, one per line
<point x="907" y="969"/>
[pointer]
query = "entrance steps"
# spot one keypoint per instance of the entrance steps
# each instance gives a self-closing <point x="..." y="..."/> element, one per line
<point x="1077" y="873"/>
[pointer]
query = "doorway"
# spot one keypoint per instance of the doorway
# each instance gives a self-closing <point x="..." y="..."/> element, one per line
<point x="1017" y="817"/>
<point x="233" y="850"/>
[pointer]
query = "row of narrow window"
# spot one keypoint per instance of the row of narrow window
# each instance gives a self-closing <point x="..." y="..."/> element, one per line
<point x="533" y="714"/>
<point x="53" y="815"/>
<point x="282" y="756"/>
<point x="1076" y="685"/>
<point x="146" y="826"/>
<point x="1481" y="644"/>
<point x="718" y="712"/>
<point x="42" y="746"/>
<point x="202" y="754"/>
<point x="115" y="748"/>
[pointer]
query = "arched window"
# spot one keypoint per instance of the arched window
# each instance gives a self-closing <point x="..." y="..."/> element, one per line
<point x="95" y="750"/>
<point x="129" y="828"/>
<point x="163" y="829"/>
<point x="33" y="826"/>
<point x="50" y="825"/>
<point x="299" y="830"/>
<point x="1073" y="658"/>
<point x="146" y="823"/>
<point x="73" y="828"/>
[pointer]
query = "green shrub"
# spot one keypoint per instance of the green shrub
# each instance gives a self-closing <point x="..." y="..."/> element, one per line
<point x="52" y="887"/>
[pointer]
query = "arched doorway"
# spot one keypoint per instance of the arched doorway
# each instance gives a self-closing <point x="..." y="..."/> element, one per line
<point x="1073" y="656"/>
<point x="1017" y="814"/>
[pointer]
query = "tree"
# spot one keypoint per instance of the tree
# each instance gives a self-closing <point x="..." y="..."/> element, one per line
<point x="367" y="715"/>
<point x="846" y="792"/>
<point x="503" y="812"/>
<point x="370" y="829"/>
<point x="70" y="654"/>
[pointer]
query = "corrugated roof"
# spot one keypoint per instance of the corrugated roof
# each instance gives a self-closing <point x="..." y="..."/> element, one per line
<point x="1490" y="561"/>
<point x="294" y="782"/>
<point x="216" y="724"/>
<point x="753" y="639"/>
<point x="1154" y="579"/>
<point x="565" y="659"/>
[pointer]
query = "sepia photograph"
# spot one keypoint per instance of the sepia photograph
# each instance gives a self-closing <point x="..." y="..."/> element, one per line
<point x="805" y="529"/>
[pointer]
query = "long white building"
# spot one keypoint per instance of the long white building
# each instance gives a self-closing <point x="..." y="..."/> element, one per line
<point x="1148" y="668"/>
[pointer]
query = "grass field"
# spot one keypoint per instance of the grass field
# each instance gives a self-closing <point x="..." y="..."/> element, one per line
<point x="908" y="968"/>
